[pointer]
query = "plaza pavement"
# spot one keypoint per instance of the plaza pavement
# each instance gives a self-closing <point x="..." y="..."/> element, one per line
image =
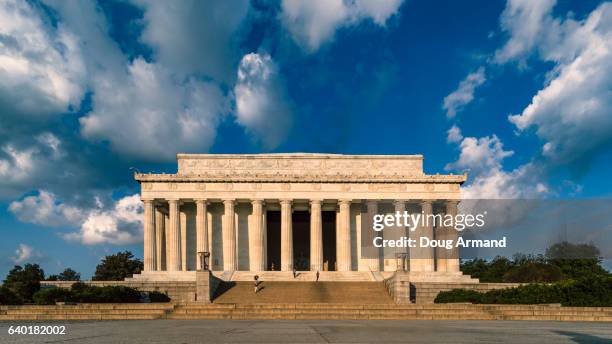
<point x="316" y="331"/>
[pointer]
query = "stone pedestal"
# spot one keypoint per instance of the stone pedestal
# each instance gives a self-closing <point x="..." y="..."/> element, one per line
<point x="204" y="290"/>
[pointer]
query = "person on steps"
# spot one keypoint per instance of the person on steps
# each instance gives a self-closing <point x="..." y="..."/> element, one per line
<point x="317" y="276"/>
<point x="256" y="283"/>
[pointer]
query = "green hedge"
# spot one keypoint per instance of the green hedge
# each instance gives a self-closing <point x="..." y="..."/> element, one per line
<point x="84" y="293"/>
<point x="9" y="297"/>
<point x="589" y="292"/>
<point x="155" y="296"/>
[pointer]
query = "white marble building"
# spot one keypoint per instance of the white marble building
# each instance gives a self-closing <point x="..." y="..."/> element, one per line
<point x="264" y="212"/>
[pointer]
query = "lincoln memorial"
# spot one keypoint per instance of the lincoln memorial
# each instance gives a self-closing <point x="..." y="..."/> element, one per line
<point x="275" y="213"/>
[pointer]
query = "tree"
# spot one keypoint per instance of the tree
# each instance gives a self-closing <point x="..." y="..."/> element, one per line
<point x="117" y="267"/>
<point x="24" y="281"/>
<point x="67" y="275"/>
<point x="576" y="260"/>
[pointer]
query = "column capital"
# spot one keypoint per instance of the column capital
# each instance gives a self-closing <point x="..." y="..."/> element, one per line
<point x="229" y="201"/>
<point x="173" y="200"/>
<point x="316" y="201"/>
<point x="426" y="201"/>
<point x="344" y="201"/>
<point x="454" y="202"/>
<point x="147" y="199"/>
<point x="399" y="202"/>
<point x="201" y="200"/>
<point x="286" y="201"/>
<point x="257" y="201"/>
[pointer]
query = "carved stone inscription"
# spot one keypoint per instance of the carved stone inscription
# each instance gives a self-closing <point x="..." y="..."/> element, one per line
<point x="300" y="165"/>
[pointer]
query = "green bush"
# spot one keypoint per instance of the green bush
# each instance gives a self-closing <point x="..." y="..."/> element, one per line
<point x="109" y="294"/>
<point x="533" y="273"/>
<point x="9" y="297"/>
<point x="155" y="296"/>
<point x="49" y="296"/>
<point x="588" y="292"/>
<point x="81" y="292"/>
<point x="458" y="295"/>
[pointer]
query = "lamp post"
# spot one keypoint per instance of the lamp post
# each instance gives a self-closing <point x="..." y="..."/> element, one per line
<point x="203" y="256"/>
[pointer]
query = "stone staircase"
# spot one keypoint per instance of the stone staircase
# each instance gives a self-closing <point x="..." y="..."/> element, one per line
<point x="304" y="311"/>
<point x="390" y="311"/>
<point x="108" y="311"/>
<point x="303" y="292"/>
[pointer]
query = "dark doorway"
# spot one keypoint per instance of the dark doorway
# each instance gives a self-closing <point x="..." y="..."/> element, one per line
<point x="329" y="240"/>
<point x="273" y="225"/>
<point x="301" y="240"/>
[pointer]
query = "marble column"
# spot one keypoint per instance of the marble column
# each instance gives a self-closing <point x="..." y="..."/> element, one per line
<point x="372" y="253"/>
<point x="256" y="238"/>
<point x="441" y="253"/>
<point x="149" y="235"/>
<point x="427" y="253"/>
<point x="399" y="231"/>
<point x="201" y="232"/>
<point x="174" y="243"/>
<point x="452" y="262"/>
<point x="343" y="237"/>
<point x="183" y="235"/>
<point x="316" y="236"/>
<point x="229" y="236"/>
<point x="286" y="236"/>
<point x="160" y="239"/>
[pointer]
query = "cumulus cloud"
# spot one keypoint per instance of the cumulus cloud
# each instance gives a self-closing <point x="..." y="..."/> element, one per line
<point x="194" y="36"/>
<point x="262" y="105"/>
<point x="311" y="23"/>
<point x="21" y="166"/>
<point x="44" y="209"/>
<point x="42" y="63"/>
<point x="105" y="221"/>
<point x="464" y="94"/>
<point x="480" y="154"/>
<point x="482" y="158"/>
<point x="454" y="135"/>
<point x="120" y="225"/>
<point x="149" y="114"/>
<point x="527" y="23"/>
<point x="572" y="112"/>
<point x="25" y="254"/>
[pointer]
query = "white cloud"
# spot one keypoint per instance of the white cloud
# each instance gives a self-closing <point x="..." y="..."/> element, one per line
<point x="25" y="254"/>
<point x="464" y="94"/>
<point x="41" y="69"/>
<point x="262" y="105"/>
<point x="572" y="112"/>
<point x="115" y="222"/>
<point x="527" y="22"/>
<point x="145" y="110"/>
<point x="454" y="135"/>
<point x="480" y="154"/>
<point x="44" y="209"/>
<point x="120" y="225"/>
<point x="482" y="158"/>
<point x="193" y="36"/>
<point x="313" y="22"/>
<point x="149" y="114"/>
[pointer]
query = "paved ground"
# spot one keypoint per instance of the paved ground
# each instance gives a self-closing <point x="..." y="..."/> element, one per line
<point x="319" y="331"/>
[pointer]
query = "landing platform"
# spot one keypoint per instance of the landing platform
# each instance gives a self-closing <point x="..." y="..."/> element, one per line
<point x="279" y="276"/>
<point x="357" y="293"/>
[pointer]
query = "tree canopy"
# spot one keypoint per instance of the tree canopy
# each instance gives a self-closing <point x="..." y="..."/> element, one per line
<point x="117" y="267"/>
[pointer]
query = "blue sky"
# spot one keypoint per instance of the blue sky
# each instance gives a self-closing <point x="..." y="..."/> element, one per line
<point x="515" y="93"/>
